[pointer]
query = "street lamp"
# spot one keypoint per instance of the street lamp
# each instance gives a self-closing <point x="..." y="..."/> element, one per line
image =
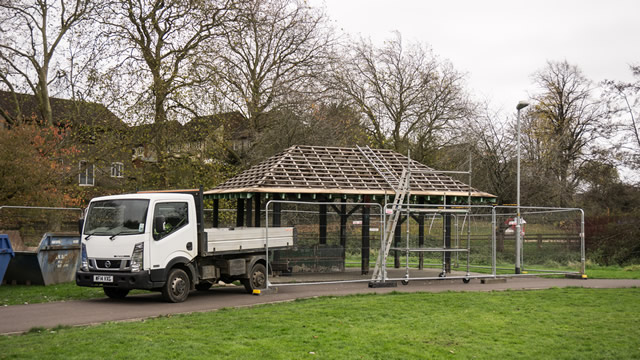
<point x="521" y="105"/>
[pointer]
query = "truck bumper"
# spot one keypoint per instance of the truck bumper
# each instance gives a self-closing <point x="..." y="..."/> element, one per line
<point x="137" y="280"/>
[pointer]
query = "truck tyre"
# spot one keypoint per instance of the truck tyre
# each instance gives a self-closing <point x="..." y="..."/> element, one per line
<point x="204" y="285"/>
<point x="115" y="293"/>
<point x="257" y="278"/>
<point x="177" y="287"/>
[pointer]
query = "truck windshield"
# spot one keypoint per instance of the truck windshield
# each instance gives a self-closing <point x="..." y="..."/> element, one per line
<point x="116" y="217"/>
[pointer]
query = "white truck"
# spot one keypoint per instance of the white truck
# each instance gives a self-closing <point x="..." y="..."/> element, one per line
<point x="157" y="241"/>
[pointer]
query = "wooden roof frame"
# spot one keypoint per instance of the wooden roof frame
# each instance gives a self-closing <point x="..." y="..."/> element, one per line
<point x="303" y="169"/>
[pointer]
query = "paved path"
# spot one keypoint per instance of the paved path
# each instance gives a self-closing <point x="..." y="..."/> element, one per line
<point x="20" y="318"/>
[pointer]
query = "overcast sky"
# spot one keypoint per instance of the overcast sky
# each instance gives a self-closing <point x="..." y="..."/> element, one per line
<point x="500" y="43"/>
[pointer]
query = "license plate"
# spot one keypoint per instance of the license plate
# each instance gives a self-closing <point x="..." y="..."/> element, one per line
<point x="103" y="278"/>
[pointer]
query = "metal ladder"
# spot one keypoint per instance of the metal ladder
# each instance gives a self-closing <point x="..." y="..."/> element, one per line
<point x="401" y="188"/>
<point x="381" y="167"/>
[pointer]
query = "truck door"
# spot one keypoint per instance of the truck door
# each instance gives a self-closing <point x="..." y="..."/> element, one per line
<point x="174" y="233"/>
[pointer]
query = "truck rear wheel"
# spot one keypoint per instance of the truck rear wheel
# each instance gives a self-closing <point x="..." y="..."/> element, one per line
<point x="177" y="287"/>
<point x="115" y="293"/>
<point x="257" y="278"/>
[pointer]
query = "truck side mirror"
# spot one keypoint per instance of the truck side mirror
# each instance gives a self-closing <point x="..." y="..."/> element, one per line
<point x="80" y="225"/>
<point x="158" y="224"/>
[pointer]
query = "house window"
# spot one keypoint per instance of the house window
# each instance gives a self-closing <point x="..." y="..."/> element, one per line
<point x="86" y="176"/>
<point x="116" y="169"/>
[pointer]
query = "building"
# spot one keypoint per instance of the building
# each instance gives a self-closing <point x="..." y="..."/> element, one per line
<point x="100" y="157"/>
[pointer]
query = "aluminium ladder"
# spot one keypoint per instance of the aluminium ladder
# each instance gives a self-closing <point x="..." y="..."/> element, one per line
<point x="401" y="189"/>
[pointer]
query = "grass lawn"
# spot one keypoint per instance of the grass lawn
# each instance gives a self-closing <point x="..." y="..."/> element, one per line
<point x="33" y="294"/>
<point x="613" y="272"/>
<point x="569" y="323"/>
<point x="592" y="271"/>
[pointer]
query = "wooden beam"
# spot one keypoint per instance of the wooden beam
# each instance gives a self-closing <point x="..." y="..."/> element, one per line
<point x="355" y="208"/>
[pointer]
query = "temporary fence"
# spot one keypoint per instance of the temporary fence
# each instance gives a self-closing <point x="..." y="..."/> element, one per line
<point x="26" y="224"/>
<point x="341" y="241"/>
<point x="335" y="241"/>
<point x="430" y="242"/>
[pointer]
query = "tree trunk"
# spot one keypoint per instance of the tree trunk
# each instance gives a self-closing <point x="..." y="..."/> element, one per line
<point x="43" y="96"/>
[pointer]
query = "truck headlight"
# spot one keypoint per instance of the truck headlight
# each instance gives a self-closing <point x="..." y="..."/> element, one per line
<point x="136" y="257"/>
<point x="84" y="265"/>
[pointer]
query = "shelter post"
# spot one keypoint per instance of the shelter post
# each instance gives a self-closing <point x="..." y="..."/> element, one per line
<point x="248" y="212"/>
<point x="216" y="216"/>
<point x="257" y="205"/>
<point x="447" y="241"/>
<point x="240" y="213"/>
<point x="365" y="239"/>
<point x="397" y="236"/>
<point x="421" y="236"/>
<point x="323" y="224"/>
<point x="277" y="215"/>
<point x="343" y="229"/>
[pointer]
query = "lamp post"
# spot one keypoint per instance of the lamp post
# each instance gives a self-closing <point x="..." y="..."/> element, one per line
<point x="521" y="105"/>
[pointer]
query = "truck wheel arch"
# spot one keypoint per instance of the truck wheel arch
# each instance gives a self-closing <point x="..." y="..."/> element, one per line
<point x="256" y="259"/>
<point x="181" y="262"/>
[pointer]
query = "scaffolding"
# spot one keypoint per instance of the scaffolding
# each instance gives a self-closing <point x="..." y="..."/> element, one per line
<point x="402" y="189"/>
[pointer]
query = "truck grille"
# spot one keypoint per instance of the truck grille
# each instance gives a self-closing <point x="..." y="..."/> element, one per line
<point x="110" y="264"/>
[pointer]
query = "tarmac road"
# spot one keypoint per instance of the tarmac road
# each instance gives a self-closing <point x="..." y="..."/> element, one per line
<point x="20" y="318"/>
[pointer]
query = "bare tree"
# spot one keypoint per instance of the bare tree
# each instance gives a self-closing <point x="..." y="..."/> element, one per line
<point x="271" y="55"/>
<point x="408" y="97"/>
<point x="32" y="32"/>
<point x="324" y="125"/>
<point x="159" y="58"/>
<point x="561" y="127"/>
<point x="624" y="100"/>
<point x="162" y="42"/>
<point x="80" y="57"/>
<point x="493" y="148"/>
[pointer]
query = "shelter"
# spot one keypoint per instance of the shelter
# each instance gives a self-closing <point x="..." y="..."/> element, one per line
<point x="337" y="174"/>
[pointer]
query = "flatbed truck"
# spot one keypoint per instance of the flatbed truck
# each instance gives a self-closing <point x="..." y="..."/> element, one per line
<point x="157" y="241"/>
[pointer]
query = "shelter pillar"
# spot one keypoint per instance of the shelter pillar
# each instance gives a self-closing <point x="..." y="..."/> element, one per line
<point x="216" y="210"/>
<point x="323" y="224"/>
<point x="447" y="241"/>
<point x="277" y="216"/>
<point x="397" y="238"/>
<point x="396" y="243"/>
<point x="365" y="239"/>
<point x="421" y="235"/>
<point x="240" y="213"/>
<point x="256" y="200"/>
<point x="344" y="216"/>
<point x="343" y="226"/>
<point x="249" y="212"/>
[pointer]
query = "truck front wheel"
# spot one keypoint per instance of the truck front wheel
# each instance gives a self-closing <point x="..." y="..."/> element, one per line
<point x="177" y="287"/>
<point x="257" y="278"/>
